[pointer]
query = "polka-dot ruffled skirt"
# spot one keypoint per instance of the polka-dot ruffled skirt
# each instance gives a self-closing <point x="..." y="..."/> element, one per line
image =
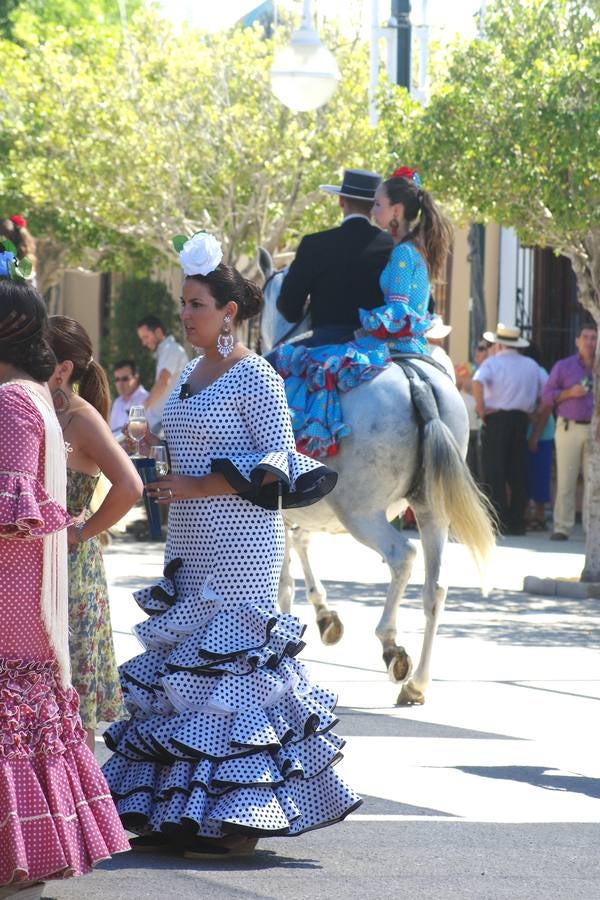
<point x="226" y="733"/>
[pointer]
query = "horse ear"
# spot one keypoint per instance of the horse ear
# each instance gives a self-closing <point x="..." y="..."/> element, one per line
<point x="265" y="262"/>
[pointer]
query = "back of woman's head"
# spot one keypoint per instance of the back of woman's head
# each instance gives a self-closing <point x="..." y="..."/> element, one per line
<point x="225" y="283"/>
<point x="15" y="229"/>
<point x="24" y="330"/>
<point x="70" y="341"/>
<point x="432" y="232"/>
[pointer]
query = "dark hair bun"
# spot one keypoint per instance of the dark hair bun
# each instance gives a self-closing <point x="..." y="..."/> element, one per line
<point x="252" y="301"/>
<point x="37" y="359"/>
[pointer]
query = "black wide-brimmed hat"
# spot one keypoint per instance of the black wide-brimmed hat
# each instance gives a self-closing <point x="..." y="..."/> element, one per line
<point x="357" y="185"/>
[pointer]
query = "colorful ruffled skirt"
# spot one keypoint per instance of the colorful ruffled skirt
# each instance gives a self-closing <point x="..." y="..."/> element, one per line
<point x="314" y="377"/>
<point x="227" y="732"/>
<point x="57" y="817"/>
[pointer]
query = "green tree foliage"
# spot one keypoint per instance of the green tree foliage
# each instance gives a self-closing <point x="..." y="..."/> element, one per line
<point x="512" y="135"/>
<point x="135" y="298"/>
<point x="24" y="20"/>
<point x="119" y="140"/>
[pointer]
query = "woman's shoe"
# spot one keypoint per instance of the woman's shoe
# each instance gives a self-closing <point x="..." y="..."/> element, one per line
<point x="153" y="843"/>
<point x="220" y="848"/>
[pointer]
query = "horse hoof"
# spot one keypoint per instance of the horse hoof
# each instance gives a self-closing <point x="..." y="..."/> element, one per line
<point x="330" y="628"/>
<point x="399" y="664"/>
<point x="410" y="696"/>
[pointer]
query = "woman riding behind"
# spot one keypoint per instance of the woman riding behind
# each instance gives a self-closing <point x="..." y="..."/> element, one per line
<point x="422" y="237"/>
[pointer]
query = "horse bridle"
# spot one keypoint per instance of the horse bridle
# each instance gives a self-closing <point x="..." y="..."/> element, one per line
<point x="293" y="326"/>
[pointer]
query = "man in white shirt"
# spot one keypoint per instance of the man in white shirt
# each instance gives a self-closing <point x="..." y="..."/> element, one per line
<point x="507" y="389"/>
<point x="171" y="359"/>
<point x="130" y="393"/>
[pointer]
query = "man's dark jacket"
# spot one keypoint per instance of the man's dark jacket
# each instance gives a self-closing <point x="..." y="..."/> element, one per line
<point x="340" y="270"/>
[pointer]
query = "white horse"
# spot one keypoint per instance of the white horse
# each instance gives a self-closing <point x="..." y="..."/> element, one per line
<point x="408" y="438"/>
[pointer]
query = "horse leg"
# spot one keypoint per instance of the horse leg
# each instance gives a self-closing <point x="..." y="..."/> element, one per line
<point x="375" y="532"/>
<point x="330" y="626"/>
<point x="286" y="582"/>
<point x="434" y="535"/>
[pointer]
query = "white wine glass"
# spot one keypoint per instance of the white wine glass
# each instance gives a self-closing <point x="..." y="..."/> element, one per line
<point x="161" y="460"/>
<point x="138" y="426"/>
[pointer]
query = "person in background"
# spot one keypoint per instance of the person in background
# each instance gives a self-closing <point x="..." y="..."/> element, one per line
<point x="464" y="375"/>
<point x="15" y="229"/>
<point x="56" y="815"/>
<point x="130" y="393"/>
<point x="171" y="360"/>
<point x="436" y="336"/>
<point x="91" y="451"/>
<point x="507" y="390"/>
<point x="540" y="446"/>
<point x="481" y="352"/>
<point x="568" y="392"/>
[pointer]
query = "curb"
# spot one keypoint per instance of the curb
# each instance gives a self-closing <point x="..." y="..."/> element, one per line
<point x="555" y="587"/>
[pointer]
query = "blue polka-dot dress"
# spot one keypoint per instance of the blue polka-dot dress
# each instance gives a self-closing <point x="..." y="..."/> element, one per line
<point x="227" y="732"/>
<point x="403" y="320"/>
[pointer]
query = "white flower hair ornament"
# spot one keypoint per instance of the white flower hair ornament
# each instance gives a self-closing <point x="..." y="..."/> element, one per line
<point x="198" y="255"/>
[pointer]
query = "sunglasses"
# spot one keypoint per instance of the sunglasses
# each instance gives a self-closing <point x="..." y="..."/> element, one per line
<point x="482" y="347"/>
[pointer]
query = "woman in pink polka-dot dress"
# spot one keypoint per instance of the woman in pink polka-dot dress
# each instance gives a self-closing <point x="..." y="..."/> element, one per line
<point x="56" y="815"/>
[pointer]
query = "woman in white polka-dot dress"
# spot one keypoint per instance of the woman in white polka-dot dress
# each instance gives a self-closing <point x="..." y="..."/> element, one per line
<point x="57" y="817"/>
<point x="228" y="740"/>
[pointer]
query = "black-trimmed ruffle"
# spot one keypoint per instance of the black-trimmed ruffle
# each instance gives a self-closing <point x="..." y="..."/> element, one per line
<point x="301" y="480"/>
<point x="227" y="732"/>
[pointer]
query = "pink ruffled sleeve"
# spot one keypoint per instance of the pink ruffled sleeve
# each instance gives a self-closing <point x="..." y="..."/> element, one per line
<point x="26" y="509"/>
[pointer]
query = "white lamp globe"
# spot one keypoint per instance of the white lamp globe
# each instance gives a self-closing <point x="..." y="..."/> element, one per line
<point x="304" y="75"/>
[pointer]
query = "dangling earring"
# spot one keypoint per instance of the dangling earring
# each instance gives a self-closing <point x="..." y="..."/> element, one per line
<point x="225" y="340"/>
<point x="61" y="401"/>
<point x="394" y="226"/>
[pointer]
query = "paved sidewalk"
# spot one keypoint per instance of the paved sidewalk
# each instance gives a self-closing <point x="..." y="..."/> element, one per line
<point x="491" y="789"/>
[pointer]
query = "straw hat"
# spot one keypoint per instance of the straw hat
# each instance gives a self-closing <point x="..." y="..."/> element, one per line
<point x="509" y="335"/>
<point x="439" y="329"/>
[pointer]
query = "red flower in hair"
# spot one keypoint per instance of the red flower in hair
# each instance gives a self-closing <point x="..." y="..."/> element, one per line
<point x="403" y="172"/>
<point x="19" y="221"/>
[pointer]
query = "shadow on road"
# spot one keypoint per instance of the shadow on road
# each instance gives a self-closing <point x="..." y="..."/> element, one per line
<point x="578" y="625"/>
<point x="538" y="776"/>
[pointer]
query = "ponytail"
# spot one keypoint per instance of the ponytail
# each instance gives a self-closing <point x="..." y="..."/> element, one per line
<point x="70" y="340"/>
<point x="93" y="387"/>
<point x="433" y="234"/>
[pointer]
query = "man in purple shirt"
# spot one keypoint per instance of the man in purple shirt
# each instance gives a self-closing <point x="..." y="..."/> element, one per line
<point x="569" y="392"/>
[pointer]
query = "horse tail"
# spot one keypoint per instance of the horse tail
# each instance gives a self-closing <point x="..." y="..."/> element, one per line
<point x="451" y="490"/>
<point x="447" y="483"/>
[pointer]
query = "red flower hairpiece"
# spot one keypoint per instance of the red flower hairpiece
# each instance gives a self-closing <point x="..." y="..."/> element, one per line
<point x="409" y="174"/>
<point x="19" y="221"/>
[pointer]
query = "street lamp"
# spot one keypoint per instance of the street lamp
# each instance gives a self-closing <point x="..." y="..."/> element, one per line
<point x="304" y="74"/>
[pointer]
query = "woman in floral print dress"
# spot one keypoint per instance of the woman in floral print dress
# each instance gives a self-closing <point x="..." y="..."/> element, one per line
<point x="92" y="449"/>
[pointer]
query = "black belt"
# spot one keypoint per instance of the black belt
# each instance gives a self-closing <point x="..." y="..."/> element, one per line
<point x="577" y="421"/>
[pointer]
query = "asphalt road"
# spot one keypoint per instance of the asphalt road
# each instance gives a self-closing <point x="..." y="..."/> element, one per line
<point x="489" y="790"/>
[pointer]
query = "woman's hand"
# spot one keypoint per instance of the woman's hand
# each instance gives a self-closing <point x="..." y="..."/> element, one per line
<point x="149" y="440"/>
<point x="73" y="538"/>
<point x="176" y="487"/>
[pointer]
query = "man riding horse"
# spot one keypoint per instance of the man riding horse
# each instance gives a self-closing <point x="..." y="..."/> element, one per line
<point x="339" y="269"/>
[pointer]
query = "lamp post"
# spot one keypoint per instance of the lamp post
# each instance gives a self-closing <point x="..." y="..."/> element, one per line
<point x="304" y="74"/>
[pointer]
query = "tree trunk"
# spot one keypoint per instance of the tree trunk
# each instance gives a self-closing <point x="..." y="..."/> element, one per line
<point x="586" y="266"/>
<point x="51" y="256"/>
